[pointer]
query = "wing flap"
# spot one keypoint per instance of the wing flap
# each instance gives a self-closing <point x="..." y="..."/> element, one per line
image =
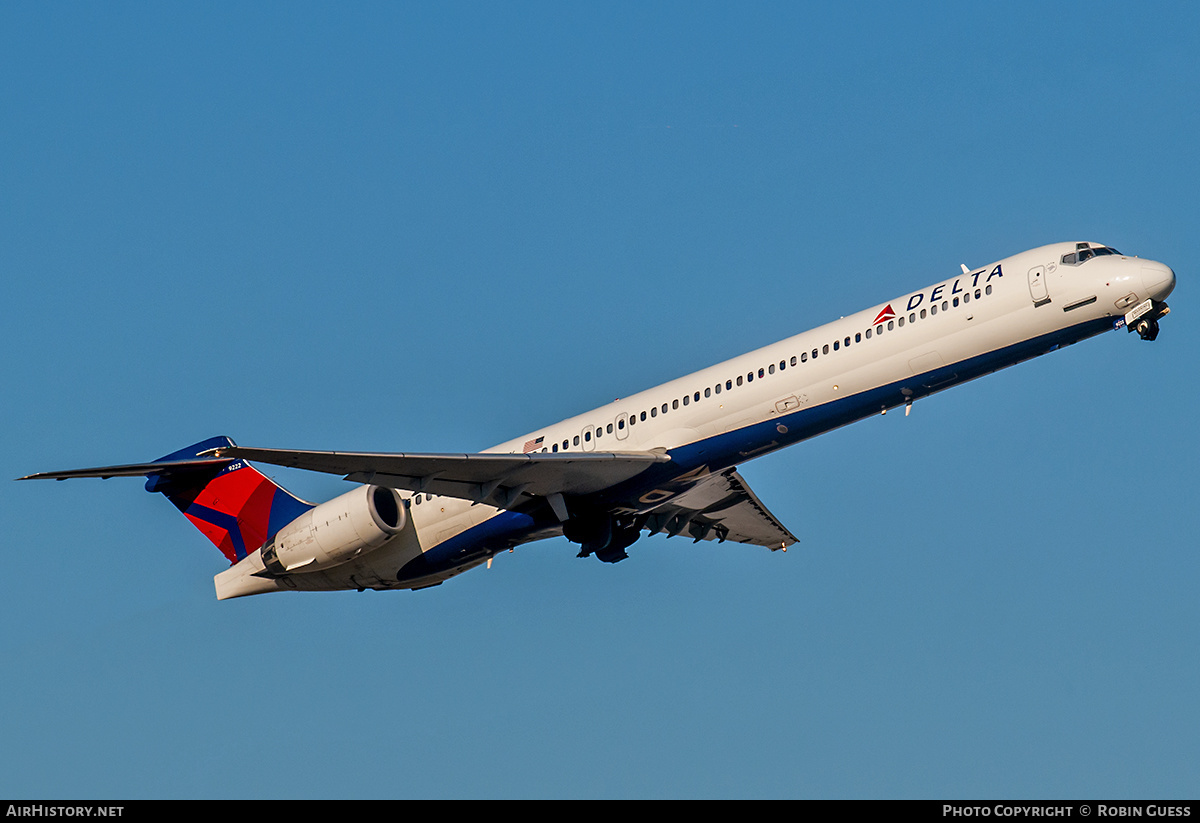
<point x="721" y="507"/>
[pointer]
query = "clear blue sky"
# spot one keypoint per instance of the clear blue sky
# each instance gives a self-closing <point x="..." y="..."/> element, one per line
<point x="436" y="226"/>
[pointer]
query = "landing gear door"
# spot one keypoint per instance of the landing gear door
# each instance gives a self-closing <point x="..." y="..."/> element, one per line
<point x="1037" y="286"/>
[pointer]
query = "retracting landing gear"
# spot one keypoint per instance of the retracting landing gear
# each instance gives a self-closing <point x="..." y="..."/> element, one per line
<point x="606" y="537"/>
<point x="1144" y="318"/>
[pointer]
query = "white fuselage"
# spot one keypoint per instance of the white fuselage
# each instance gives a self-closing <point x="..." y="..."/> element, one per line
<point x="882" y="357"/>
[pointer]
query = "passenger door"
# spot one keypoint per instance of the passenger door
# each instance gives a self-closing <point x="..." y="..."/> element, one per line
<point x="1037" y="286"/>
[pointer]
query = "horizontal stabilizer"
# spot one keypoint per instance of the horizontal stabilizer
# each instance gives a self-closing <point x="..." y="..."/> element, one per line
<point x="192" y="459"/>
<point x="135" y="469"/>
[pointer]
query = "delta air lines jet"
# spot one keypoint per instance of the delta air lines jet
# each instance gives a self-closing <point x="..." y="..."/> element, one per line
<point x="663" y="460"/>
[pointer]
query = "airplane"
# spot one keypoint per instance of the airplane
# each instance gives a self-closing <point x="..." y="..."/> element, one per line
<point x="664" y="460"/>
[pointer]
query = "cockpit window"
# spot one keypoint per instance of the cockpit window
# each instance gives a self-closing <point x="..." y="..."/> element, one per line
<point x="1077" y="257"/>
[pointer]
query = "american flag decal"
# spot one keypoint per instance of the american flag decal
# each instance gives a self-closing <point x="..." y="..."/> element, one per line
<point x="532" y="445"/>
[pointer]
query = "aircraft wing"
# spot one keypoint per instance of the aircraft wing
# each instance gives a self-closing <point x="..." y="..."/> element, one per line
<point x="498" y="479"/>
<point x="721" y="507"/>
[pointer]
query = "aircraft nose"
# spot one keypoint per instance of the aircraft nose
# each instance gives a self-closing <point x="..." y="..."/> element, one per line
<point x="1158" y="279"/>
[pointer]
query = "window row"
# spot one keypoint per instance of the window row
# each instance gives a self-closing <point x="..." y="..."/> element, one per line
<point x="622" y="424"/>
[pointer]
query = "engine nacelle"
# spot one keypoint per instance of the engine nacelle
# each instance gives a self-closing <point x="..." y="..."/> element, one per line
<point x="336" y="531"/>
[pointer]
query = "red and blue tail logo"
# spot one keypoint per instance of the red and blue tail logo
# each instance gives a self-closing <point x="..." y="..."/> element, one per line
<point x="885" y="314"/>
<point x="233" y="504"/>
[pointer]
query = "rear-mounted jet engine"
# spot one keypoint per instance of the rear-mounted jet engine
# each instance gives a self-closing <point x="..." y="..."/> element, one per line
<point x="336" y="531"/>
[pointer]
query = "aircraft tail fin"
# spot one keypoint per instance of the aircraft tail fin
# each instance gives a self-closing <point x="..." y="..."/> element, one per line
<point x="232" y="504"/>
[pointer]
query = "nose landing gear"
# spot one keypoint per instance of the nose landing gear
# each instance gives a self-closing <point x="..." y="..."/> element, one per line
<point x="1144" y="318"/>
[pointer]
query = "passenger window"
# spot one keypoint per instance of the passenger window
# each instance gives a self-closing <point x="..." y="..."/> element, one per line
<point x="868" y="334"/>
<point x="554" y="448"/>
<point x="575" y="440"/>
<point x="858" y="337"/>
<point x="803" y="357"/>
<point x="988" y="290"/>
<point x="696" y="397"/>
<point x="836" y="344"/>
<point x="728" y="384"/>
<point x="621" y="423"/>
<point x="956" y="302"/>
<point x="912" y="318"/>
<point x="654" y="411"/>
<point x="922" y="314"/>
<point x="587" y="435"/>
<point x="674" y="404"/>
<point x="793" y="359"/>
<point x="760" y="372"/>
<point x="708" y="392"/>
<point x="879" y="329"/>
<point x="685" y="399"/>
<point x="770" y="370"/>
<point x="891" y="325"/>
<point x="825" y="349"/>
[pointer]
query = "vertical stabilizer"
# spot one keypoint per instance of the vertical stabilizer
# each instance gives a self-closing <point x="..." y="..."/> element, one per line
<point x="233" y="504"/>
